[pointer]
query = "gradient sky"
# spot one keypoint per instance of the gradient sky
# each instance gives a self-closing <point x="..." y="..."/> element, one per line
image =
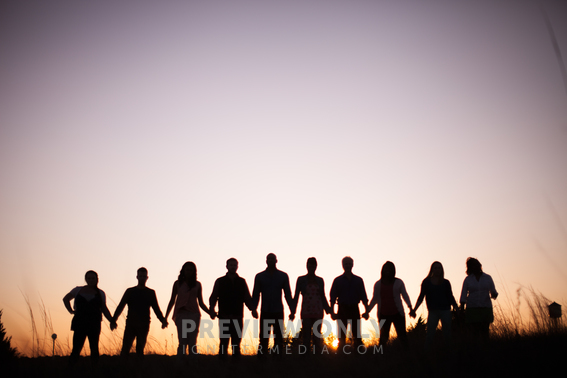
<point x="139" y="133"/>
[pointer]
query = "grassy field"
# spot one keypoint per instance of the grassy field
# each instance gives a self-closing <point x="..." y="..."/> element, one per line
<point x="517" y="347"/>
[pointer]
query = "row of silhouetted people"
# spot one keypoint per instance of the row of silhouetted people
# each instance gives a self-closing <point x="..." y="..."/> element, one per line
<point x="231" y="294"/>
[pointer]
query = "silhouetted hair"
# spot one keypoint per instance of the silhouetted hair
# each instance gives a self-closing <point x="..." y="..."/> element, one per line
<point x="89" y="272"/>
<point x="190" y="281"/>
<point x="271" y="255"/>
<point x="431" y="269"/>
<point x="388" y="264"/>
<point x="232" y="259"/>
<point x="347" y="258"/>
<point x="312" y="260"/>
<point x="473" y="266"/>
<point x="142" y="269"/>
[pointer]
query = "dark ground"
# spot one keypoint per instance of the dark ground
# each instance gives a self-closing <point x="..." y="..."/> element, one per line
<point x="526" y="356"/>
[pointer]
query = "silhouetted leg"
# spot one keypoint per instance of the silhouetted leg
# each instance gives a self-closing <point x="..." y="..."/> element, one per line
<point x="446" y="319"/>
<point x="278" y="333"/>
<point x="385" y="330"/>
<point x="79" y="338"/>
<point x="141" y="339"/>
<point x="432" y="321"/>
<point x="127" y="340"/>
<point x="236" y="336"/>
<point x="93" y="336"/>
<point x="400" y="326"/>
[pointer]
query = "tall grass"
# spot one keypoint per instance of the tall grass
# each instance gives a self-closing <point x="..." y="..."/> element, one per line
<point x="508" y="323"/>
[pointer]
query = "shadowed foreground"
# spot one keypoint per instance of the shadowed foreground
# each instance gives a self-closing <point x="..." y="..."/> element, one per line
<point x="520" y="356"/>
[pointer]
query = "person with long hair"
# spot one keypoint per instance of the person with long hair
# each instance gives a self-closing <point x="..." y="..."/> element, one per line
<point x="88" y="306"/>
<point x="478" y="289"/>
<point x="187" y="296"/>
<point x="438" y="295"/>
<point x="388" y="291"/>
<point x="314" y="302"/>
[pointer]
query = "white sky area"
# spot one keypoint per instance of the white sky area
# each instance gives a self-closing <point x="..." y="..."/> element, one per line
<point x="139" y="133"/>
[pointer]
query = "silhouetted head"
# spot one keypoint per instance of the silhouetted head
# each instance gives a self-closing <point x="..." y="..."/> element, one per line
<point x="91" y="278"/>
<point x="348" y="263"/>
<point x="436" y="270"/>
<point x="232" y="265"/>
<point x="271" y="260"/>
<point x="311" y="265"/>
<point x="142" y="276"/>
<point x="473" y="266"/>
<point x="388" y="272"/>
<point x="188" y="274"/>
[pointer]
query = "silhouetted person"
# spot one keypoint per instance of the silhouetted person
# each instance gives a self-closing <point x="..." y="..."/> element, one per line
<point x="478" y="288"/>
<point x="187" y="296"/>
<point x="269" y="284"/>
<point x="139" y="300"/>
<point x="348" y="291"/>
<point x="438" y="297"/>
<point x="314" y="301"/>
<point x="388" y="292"/>
<point x="88" y="307"/>
<point x="231" y="292"/>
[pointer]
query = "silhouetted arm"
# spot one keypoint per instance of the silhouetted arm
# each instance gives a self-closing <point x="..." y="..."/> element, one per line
<point x="295" y="297"/>
<point x="326" y="306"/>
<point x="67" y="301"/>
<point x="200" y="299"/>
<point x="121" y="306"/>
<point x="248" y="300"/>
<point x="157" y="310"/>
<point x="171" y="300"/>
<point x="256" y="292"/>
<point x="287" y="292"/>
<point x="106" y="312"/>
<point x="405" y="295"/>
<point x="421" y="296"/>
<point x="464" y="293"/>
<point x="214" y="297"/>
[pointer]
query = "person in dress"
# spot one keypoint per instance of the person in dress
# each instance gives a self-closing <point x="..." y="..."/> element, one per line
<point x="314" y="302"/>
<point x="186" y="298"/>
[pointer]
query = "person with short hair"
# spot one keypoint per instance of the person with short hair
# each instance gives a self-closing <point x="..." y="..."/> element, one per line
<point x="269" y="285"/>
<point x="348" y="291"/>
<point x="231" y="292"/>
<point x="139" y="299"/>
